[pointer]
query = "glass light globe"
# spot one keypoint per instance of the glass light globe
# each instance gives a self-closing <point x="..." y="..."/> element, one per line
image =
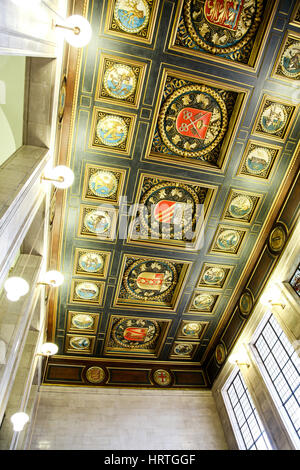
<point x="19" y="420"/>
<point x="234" y="358"/>
<point x="62" y="173"/>
<point x="265" y="299"/>
<point x="49" y="349"/>
<point x="15" y="288"/>
<point x="54" y="278"/>
<point x="84" y="31"/>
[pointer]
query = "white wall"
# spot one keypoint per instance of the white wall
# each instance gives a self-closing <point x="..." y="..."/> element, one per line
<point x="84" y="418"/>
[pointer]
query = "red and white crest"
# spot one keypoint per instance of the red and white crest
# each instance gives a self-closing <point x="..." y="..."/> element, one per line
<point x="193" y="122"/>
<point x="225" y="13"/>
<point x="135" y="334"/>
<point x="165" y="211"/>
<point x="150" y="280"/>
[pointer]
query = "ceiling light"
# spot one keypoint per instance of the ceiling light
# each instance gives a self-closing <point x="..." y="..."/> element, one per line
<point x="15" y="288"/>
<point x="77" y="30"/>
<point x="61" y="176"/>
<point x="236" y="358"/>
<point x="271" y="297"/>
<point x="52" y="279"/>
<point x="19" y="420"/>
<point x="48" y="349"/>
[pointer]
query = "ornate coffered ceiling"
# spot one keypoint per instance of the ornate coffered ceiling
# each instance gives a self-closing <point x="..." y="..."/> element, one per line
<point x="172" y="107"/>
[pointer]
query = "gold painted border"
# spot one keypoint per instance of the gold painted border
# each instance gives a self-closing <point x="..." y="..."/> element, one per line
<point x="194" y="311"/>
<point x="196" y="345"/>
<point x="175" y="244"/>
<point x="293" y="21"/>
<point x="107" y="148"/>
<point x="230" y="135"/>
<point x="95" y="236"/>
<point x="95" y="198"/>
<point x="124" y="34"/>
<point x="73" y="329"/>
<point x="154" y="306"/>
<point x="273" y="164"/>
<point x="116" y="351"/>
<point x="241" y="192"/>
<point x="139" y="85"/>
<point x="94" y="275"/>
<point x="215" y="251"/>
<point x="292" y="35"/>
<point x="257" y="51"/>
<point x="274" y="99"/>
<point x="98" y="301"/>
<point x="68" y="349"/>
<point x="213" y="265"/>
<point x="187" y="338"/>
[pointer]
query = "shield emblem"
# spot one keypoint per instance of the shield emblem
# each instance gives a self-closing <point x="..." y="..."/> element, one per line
<point x="193" y="122"/>
<point x="166" y="210"/>
<point x="225" y="13"/>
<point x="135" y="334"/>
<point x="150" y="281"/>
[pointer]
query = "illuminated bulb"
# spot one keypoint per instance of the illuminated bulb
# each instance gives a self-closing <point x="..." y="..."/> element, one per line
<point x="19" y="420"/>
<point x="77" y="31"/>
<point x="15" y="288"/>
<point x="61" y="176"/>
<point x="49" y="349"/>
<point x="271" y="297"/>
<point x="53" y="278"/>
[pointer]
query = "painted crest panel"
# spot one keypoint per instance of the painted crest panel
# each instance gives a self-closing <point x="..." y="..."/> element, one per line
<point x="87" y="292"/>
<point x="162" y="377"/>
<point x="120" y="81"/>
<point x="228" y="240"/>
<point x="111" y="131"/>
<point x="191" y="330"/>
<point x="95" y="375"/>
<point x="259" y="160"/>
<point x="277" y="239"/>
<point x="203" y="303"/>
<point x="220" y="353"/>
<point x="225" y="29"/>
<point x="183" y="350"/>
<point x="80" y="344"/>
<point x="97" y="222"/>
<point x="214" y="276"/>
<point x="274" y="118"/>
<point x="241" y="206"/>
<point x="150" y="282"/>
<point x="82" y="322"/>
<point x="295" y="18"/>
<point x="170" y="211"/>
<point x="92" y="263"/>
<point x="135" y="335"/>
<point x="195" y="121"/>
<point x="246" y="303"/>
<point x="103" y="183"/>
<point x="133" y="19"/>
<point x="287" y="65"/>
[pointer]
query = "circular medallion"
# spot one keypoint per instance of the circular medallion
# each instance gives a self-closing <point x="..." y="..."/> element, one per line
<point x="290" y="61"/>
<point x="183" y="349"/>
<point x="135" y="333"/>
<point x="132" y="15"/>
<point x="97" y="221"/>
<point x="80" y="342"/>
<point x="193" y="121"/>
<point x="246" y="303"/>
<point x="112" y="130"/>
<point x="228" y="240"/>
<point x="82" y="321"/>
<point x="95" y="375"/>
<point x="203" y="301"/>
<point x="87" y="290"/>
<point x="273" y="118"/>
<point x="103" y="183"/>
<point x="220" y="353"/>
<point x="91" y="262"/>
<point x="162" y="377"/>
<point x="172" y="205"/>
<point x="240" y="207"/>
<point x="277" y="239"/>
<point x="120" y="81"/>
<point x="191" y="329"/>
<point x="62" y="98"/>
<point x="150" y="280"/>
<point x="258" y="160"/>
<point x="222" y="27"/>
<point x="213" y="276"/>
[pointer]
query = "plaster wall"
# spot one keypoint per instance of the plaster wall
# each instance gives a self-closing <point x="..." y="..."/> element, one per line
<point x="100" y="418"/>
